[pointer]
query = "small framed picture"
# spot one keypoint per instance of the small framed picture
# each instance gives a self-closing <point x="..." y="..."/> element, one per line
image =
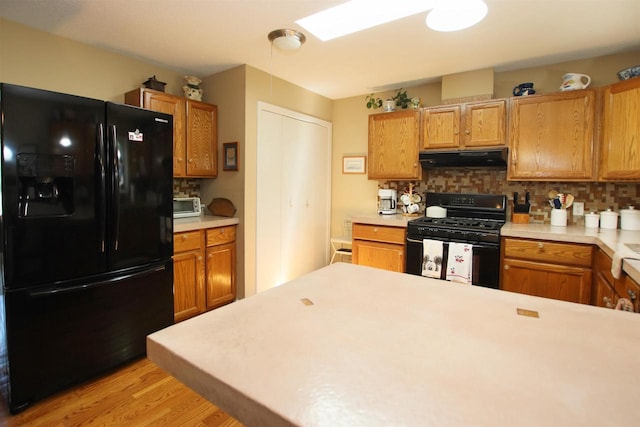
<point x="354" y="164"/>
<point x="230" y="162"/>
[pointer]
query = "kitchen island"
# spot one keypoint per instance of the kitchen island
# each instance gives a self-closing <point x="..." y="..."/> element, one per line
<point x="352" y="345"/>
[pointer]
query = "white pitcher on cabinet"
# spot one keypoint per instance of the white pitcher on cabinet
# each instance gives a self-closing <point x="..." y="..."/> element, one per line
<point x="574" y="81"/>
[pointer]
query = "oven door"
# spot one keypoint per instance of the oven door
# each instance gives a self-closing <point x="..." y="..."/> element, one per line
<point x="486" y="261"/>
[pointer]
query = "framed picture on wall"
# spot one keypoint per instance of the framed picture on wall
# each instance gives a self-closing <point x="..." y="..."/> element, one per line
<point x="230" y="158"/>
<point x="354" y="164"/>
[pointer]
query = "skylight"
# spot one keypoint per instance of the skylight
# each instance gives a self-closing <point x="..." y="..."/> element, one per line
<point x="358" y="15"/>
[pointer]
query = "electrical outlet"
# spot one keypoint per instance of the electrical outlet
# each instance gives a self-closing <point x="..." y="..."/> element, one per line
<point x="578" y="208"/>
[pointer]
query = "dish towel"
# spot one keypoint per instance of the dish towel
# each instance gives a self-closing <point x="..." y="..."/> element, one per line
<point x="460" y="262"/>
<point x="616" y="262"/>
<point x="431" y="258"/>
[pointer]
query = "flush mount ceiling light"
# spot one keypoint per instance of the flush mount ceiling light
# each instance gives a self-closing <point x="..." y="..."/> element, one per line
<point x="357" y="15"/>
<point x="455" y="15"/>
<point x="285" y="39"/>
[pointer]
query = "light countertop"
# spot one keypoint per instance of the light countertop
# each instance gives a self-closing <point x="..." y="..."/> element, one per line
<point x="201" y="222"/>
<point x="610" y="241"/>
<point x="350" y="345"/>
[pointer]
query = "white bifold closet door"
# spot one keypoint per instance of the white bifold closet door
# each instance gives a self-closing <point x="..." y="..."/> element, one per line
<point x="293" y="194"/>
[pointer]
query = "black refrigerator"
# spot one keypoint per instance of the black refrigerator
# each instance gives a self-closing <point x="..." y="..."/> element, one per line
<point x="87" y="238"/>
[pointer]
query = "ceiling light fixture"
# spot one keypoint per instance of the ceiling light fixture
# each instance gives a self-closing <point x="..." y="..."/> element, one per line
<point x="455" y="15"/>
<point x="357" y="15"/>
<point x="285" y="39"/>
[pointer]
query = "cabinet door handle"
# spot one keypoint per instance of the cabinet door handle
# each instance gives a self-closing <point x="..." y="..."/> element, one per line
<point x="607" y="302"/>
<point x="540" y="245"/>
<point x="632" y="294"/>
<point x="506" y="267"/>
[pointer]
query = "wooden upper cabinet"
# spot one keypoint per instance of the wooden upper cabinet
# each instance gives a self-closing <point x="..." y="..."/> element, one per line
<point x="195" y="130"/>
<point x="441" y="127"/>
<point x="485" y="124"/>
<point x="470" y="125"/>
<point x="165" y="103"/>
<point x="202" y="139"/>
<point x="394" y="140"/>
<point x="551" y="137"/>
<point x="620" y="141"/>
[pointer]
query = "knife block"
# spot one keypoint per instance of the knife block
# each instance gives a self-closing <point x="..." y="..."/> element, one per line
<point x="520" y="218"/>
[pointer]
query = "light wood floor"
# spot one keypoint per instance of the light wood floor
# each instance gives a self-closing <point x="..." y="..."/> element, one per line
<point x="139" y="394"/>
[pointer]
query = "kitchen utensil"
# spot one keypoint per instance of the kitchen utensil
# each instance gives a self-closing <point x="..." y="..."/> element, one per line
<point x="609" y="219"/>
<point x="562" y="197"/>
<point x="630" y="219"/>
<point x="557" y="204"/>
<point x="553" y="194"/>
<point x="569" y="201"/>
<point x="221" y="207"/>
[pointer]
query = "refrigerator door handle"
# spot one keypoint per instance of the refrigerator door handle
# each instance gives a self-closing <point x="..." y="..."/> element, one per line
<point x="101" y="213"/>
<point x="115" y="162"/>
<point x="85" y="286"/>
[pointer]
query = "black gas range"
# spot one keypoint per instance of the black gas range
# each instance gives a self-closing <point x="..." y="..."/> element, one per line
<point x="475" y="219"/>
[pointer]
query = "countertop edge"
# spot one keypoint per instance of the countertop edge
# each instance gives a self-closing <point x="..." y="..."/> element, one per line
<point x="610" y="241"/>
<point x="202" y="222"/>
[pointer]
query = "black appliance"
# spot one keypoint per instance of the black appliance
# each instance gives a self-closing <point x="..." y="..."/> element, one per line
<point x="493" y="157"/>
<point x="471" y="218"/>
<point x="87" y="238"/>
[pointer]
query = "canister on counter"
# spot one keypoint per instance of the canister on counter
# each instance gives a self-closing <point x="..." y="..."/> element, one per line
<point x="609" y="219"/>
<point x="630" y="219"/>
<point x="591" y="220"/>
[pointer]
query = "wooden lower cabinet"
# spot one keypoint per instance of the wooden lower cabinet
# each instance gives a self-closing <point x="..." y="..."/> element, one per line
<point x="379" y="246"/>
<point x="547" y="269"/>
<point x="607" y="290"/>
<point x="188" y="274"/>
<point x="220" y="266"/>
<point x="204" y="270"/>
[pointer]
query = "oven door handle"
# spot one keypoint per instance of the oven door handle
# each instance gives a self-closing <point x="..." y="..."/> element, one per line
<point x="446" y="242"/>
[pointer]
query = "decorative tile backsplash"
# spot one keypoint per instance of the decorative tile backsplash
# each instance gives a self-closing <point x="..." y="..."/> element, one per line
<point x="595" y="196"/>
<point x="183" y="187"/>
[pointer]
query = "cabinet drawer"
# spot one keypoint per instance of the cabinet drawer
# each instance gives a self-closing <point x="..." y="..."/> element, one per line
<point x="221" y="235"/>
<point x="551" y="252"/>
<point x="379" y="233"/>
<point x="187" y="241"/>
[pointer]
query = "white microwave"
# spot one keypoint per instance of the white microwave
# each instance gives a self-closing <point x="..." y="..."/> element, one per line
<point x="186" y="206"/>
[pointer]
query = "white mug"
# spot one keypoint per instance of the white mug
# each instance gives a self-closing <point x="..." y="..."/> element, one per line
<point x="413" y="208"/>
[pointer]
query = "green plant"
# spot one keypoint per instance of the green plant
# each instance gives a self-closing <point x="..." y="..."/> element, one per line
<point x="373" y="102"/>
<point x="401" y="98"/>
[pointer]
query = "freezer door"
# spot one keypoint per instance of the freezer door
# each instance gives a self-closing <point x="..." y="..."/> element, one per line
<point x="140" y="202"/>
<point x="50" y="211"/>
<point x="60" y="336"/>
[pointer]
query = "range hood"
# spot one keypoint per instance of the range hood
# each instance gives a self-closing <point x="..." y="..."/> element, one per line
<point x="493" y="157"/>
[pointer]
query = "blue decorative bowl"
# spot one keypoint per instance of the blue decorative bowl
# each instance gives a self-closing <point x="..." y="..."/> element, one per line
<point x="629" y="73"/>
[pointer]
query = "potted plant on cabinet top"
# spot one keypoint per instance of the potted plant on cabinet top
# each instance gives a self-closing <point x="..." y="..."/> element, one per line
<point x="373" y="102"/>
<point x="402" y="99"/>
